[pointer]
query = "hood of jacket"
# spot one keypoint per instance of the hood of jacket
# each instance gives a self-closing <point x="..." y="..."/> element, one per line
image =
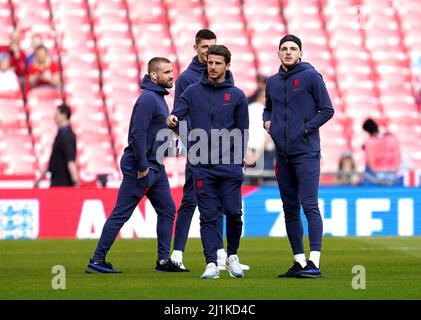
<point x="148" y="84"/>
<point x="299" y="67"/>
<point x="196" y="66"/>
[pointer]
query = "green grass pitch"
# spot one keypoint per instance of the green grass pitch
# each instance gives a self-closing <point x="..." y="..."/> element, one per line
<point x="392" y="268"/>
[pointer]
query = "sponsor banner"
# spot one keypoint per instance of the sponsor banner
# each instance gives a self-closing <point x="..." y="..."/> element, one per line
<point x="82" y="212"/>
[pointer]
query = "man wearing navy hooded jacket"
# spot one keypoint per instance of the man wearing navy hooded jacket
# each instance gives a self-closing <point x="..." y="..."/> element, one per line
<point x="297" y="105"/>
<point x="143" y="173"/>
<point x="203" y="40"/>
<point x="212" y="106"/>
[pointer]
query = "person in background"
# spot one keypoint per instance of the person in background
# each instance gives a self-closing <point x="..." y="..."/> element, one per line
<point x="62" y="164"/>
<point x="347" y="173"/>
<point x="36" y="41"/>
<point x="43" y="71"/>
<point x="9" y="82"/>
<point x="382" y="157"/>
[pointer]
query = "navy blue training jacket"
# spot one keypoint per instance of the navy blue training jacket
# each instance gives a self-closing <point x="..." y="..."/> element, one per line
<point x="210" y="105"/>
<point x="149" y="115"/>
<point x="191" y="75"/>
<point x="298" y="104"/>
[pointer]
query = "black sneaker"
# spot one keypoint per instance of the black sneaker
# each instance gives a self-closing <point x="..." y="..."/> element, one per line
<point x="309" y="271"/>
<point x="100" y="267"/>
<point x="169" y="266"/>
<point x="292" y="272"/>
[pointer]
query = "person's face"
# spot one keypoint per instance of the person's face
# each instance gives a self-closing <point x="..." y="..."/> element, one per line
<point x="164" y="75"/>
<point x="59" y="117"/>
<point x="289" y="54"/>
<point x="217" y="68"/>
<point x="347" y="164"/>
<point x="14" y="38"/>
<point x="4" y="64"/>
<point x="202" y="49"/>
<point x="41" y="55"/>
<point x="36" y="41"/>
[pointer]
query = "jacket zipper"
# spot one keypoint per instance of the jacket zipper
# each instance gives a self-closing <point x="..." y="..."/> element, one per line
<point x="213" y="106"/>
<point x="285" y="118"/>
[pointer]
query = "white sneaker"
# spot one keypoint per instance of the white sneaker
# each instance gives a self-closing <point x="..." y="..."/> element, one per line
<point x="211" y="272"/>
<point x="234" y="266"/>
<point x="244" y="267"/>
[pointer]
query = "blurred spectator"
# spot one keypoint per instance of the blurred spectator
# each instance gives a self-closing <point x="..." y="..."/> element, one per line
<point x="261" y="85"/>
<point x="8" y="80"/>
<point x="347" y="173"/>
<point x="36" y="41"/>
<point x="43" y="71"/>
<point x="260" y="148"/>
<point x="382" y="157"/>
<point x="62" y="164"/>
<point x="17" y="55"/>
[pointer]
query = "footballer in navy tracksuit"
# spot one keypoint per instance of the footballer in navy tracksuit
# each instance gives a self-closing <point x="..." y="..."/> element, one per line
<point x="210" y="105"/>
<point x="189" y="203"/>
<point x="142" y="173"/>
<point x="297" y="105"/>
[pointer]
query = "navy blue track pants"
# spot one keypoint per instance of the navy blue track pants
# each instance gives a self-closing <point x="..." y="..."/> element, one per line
<point x="298" y="182"/>
<point x="225" y="181"/>
<point x="156" y="187"/>
<point x="185" y="215"/>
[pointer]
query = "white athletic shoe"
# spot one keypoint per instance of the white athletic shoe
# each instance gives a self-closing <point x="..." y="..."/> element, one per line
<point x="211" y="272"/>
<point x="222" y="264"/>
<point x="234" y="266"/>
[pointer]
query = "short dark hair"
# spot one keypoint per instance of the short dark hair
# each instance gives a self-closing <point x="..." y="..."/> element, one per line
<point x="291" y="37"/>
<point x="370" y="126"/>
<point x="220" y="50"/>
<point x="41" y="47"/>
<point x="65" y="109"/>
<point x="153" y="63"/>
<point x="204" y="34"/>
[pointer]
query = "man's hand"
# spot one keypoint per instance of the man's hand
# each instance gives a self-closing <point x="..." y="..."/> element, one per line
<point x="142" y="174"/>
<point x="267" y="126"/>
<point x="172" y="121"/>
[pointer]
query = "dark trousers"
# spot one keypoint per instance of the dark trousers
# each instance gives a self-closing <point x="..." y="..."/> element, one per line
<point x="225" y="181"/>
<point x="156" y="187"/>
<point x="298" y="181"/>
<point x="185" y="215"/>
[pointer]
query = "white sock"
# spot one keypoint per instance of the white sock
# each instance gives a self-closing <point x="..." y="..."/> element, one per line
<point x="221" y="254"/>
<point x="177" y="255"/>
<point x="301" y="259"/>
<point x="315" y="257"/>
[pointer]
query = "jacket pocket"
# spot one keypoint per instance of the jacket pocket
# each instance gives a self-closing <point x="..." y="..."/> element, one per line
<point x="306" y="135"/>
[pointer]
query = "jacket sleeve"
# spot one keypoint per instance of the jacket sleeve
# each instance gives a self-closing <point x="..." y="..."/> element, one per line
<point x="242" y="121"/>
<point x="181" y="106"/>
<point x="144" y="110"/>
<point x="267" y="112"/>
<point x="180" y="86"/>
<point x="323" y="103"/>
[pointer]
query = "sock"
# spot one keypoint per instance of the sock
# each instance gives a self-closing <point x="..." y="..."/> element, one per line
<point x="177" y="256"/>
<point x="221" y="254"/>
<point x="315" y="257"/>
<point x="301" y="259"/>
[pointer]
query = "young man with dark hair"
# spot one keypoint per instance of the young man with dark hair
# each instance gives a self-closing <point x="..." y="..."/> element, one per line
<point x="215" y="104"/>
<point x="62" y="164"/>
<point x="203" y="40"/>
<point x="143" y="174"/>
<point x="297" y="105"/>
